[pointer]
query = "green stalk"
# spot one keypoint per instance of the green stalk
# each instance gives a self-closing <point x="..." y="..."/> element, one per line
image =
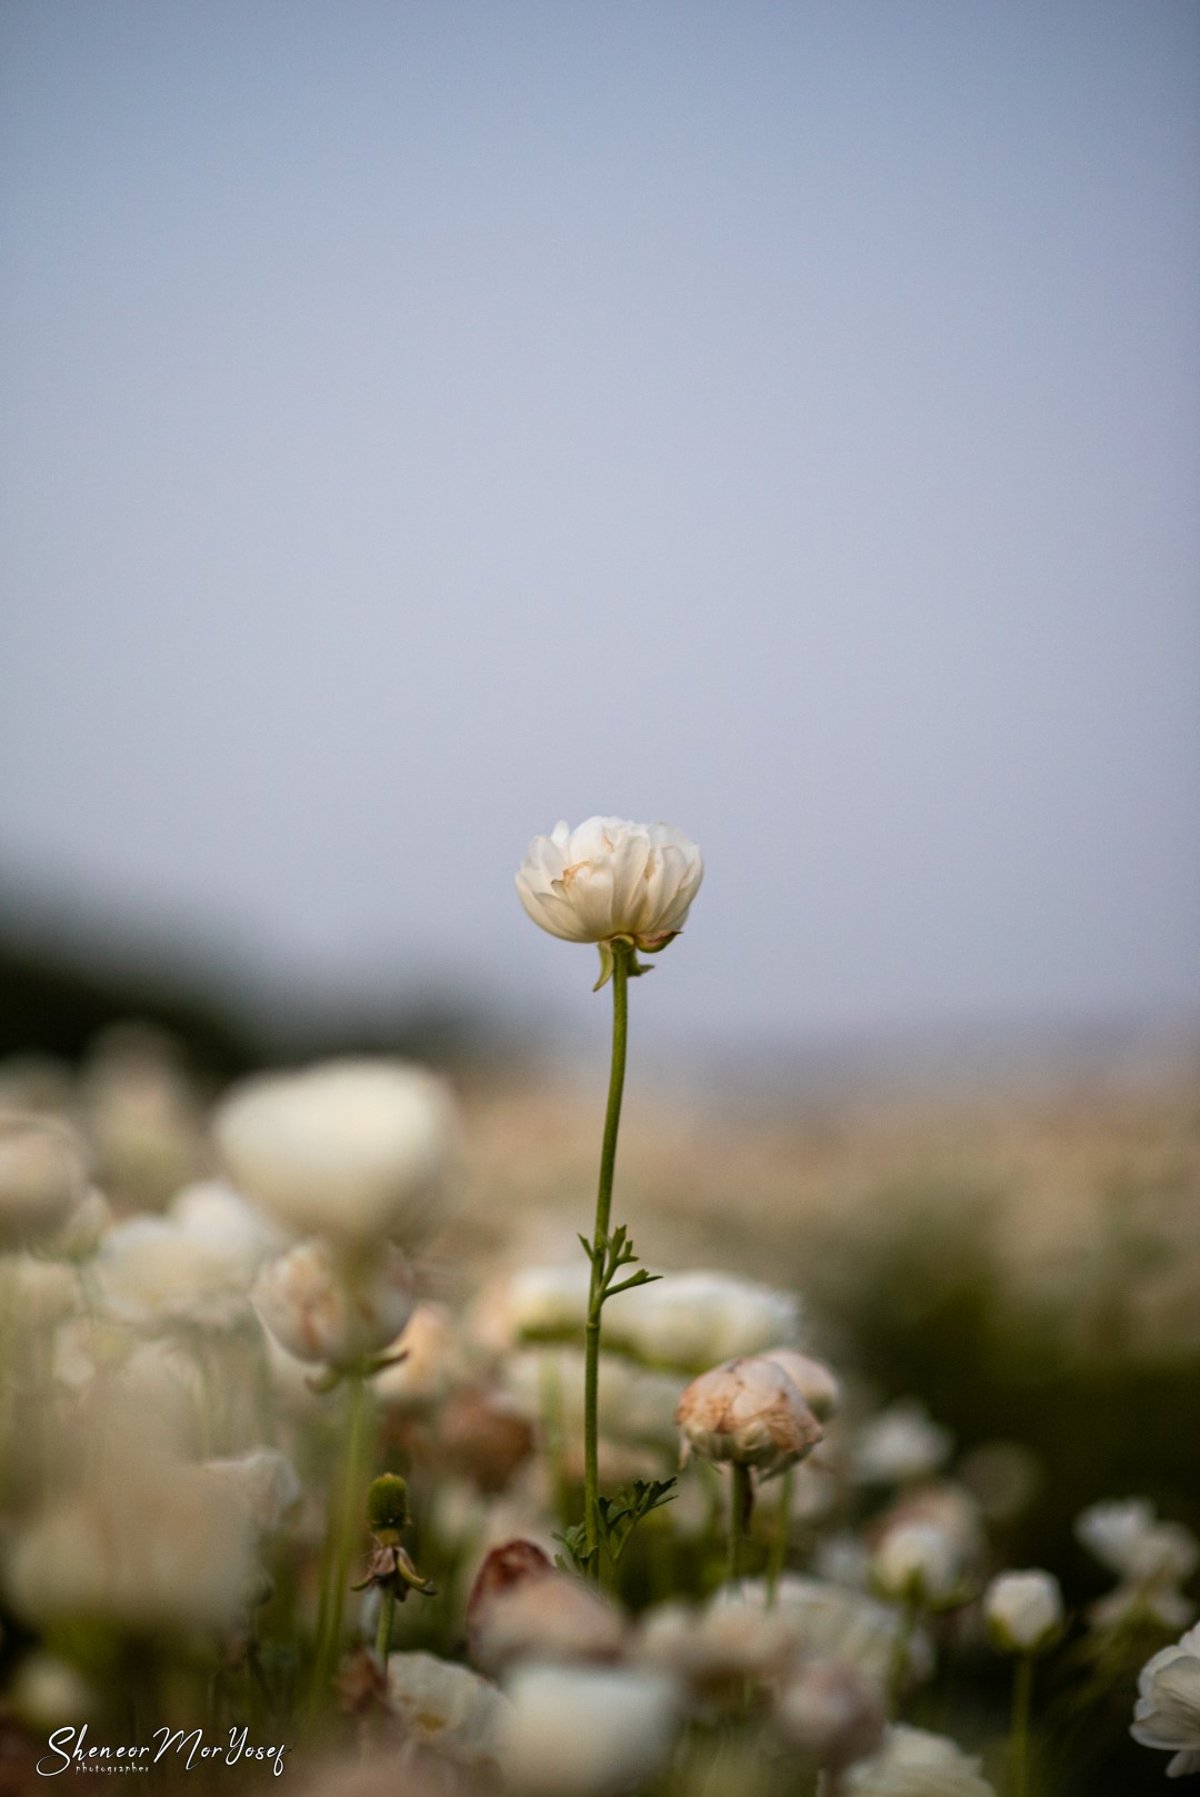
<point x="383" y="1634"/>
<point x="345" y="1524"/>
<point x="1019" y="1738"/>
<point x="782" y="1535"/>
<point x="622" y="954"/>
<point x="741" y="1505"/>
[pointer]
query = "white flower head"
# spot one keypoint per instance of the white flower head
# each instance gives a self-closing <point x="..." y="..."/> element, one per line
<point x="41" y="1178"/>
<point x="357" y="1150"/>
<point x="834" y="1623"/>
<point x="609" y="878"/>
<point x="1023" y="1611"/>
<point x="586" y="1731"/>
<point x="747" y="1412"/>
<point x="1126" y="1536"/>
<point x="194" y="1265"/>
<point x="689" y="1320"/>
<point x="901" y="1444"/>
<point x="914" y="1763"/>
<point x="326" y="1310"/>
<point x="446" y="1707"/>
<point x="1167" y="1712"/>
<point x="817" y="1385"/>
<point x="918" y="1562"/>
<point x="831" y="1713"/>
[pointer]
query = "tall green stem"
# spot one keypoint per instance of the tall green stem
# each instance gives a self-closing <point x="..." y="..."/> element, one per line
<point x="1019" y="1740"/>
<point x="383" y="1631"/>
<point x="622" y="954"/>
<point x="741" y="1507"/>
<point x="781" y="1536"/>
<point x="346" y="1521"/>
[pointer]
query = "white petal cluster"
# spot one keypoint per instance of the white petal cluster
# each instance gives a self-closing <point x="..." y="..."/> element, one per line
<point x="831" y="1713"/>
<point x="355" y="1149"/>
<point x="915" y="1763"/>
<point x="41" y="1178"/>
<point x="1151" y="1559"/>
<point x="815" y="1382"/>
<point x="608" y="878"/>
<point x="196" y="1264"/>
<point x="747" y="1412"/>
<point x="918" y="1562"/>
<point x="445" y="1706"/>
<point x="555" y="1617"/>
<point x="1167" y="1712"/>
<point x="328" y="1311"/>
<point x="586" y="1731"/>
<point x="832" y="1622"/>
<point x="899" y="1445"/>
<point x="1023" y="1610"/>
<point x="690" y="1320"/>
<point x="718" y="1645"/>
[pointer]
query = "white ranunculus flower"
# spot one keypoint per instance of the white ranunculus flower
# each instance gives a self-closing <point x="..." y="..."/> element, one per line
<point x="586" y="1731"/>
<point x="914" y="1763"/>
<point x="636" y="1404"/>
<point x="749" y="1413"/>
<point x="324" y="1310"/>
<point x="832" y="1622"/>
<point x="900" y="1444"/>
<point x="195" y="1264"/>
<point x="356" y="1150"/>
<point x="611" y="878"/>
<point x="689" y="1320"/>
<point x="1125" y="1534"/>
<point x="918" y="1562"/>
<point x="721" y="1643"/>
<point x="1167" y="1712"/>
<point x="446" y="1707"/>
<point x="831" y="1713"/>
<point x="1023" y="1610"/>
<point x="41" y="1178"/>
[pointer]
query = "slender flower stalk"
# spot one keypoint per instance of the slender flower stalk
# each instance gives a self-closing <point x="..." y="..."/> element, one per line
<point x="383" y="1632"/>
<point x="345" y="1512"/>
<point x="1019" y="1736"/>
<point x="741" y="1508"/>
<point x="622" y="955"/>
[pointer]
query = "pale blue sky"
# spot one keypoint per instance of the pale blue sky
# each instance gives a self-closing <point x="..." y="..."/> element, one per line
<point x="426" y="421"/>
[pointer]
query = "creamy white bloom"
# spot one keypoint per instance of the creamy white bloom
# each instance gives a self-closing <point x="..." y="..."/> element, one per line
<point x="914" y="1763"/>
<point x="717" y="1644"/>
<point x="446" y="1707"/>
<point x="163" y="1548"/>
<point x="586" y="1731"/>
<point x="748" y="1412"/>
<point x="265" y="1481"/>
<point x="831" y="1713"/>
<point x="434" y="1362"/>
<point x="354" y="1149"/>
<point x="1167" y="1712"/>
<point x="545" y="1303"/>
<point x="42" y="1293"/>
<point x="690" y="1320"/>
<point x="142" y="1115"/>
<point x="900" y="1444"/>
<point x="41" y="1178"/>
<point x="918" y="1562"/>
<point x="636" y="1404"/>
<point x="554" y="1617"/>
<point x="324" y="1309"/>
<point x="834" y="1623"/>
<point x="1125" y="1534"/>
<point x="194" y="1265"/>
<point x="1023" y="1610"/>
<point x="608" y="878"/>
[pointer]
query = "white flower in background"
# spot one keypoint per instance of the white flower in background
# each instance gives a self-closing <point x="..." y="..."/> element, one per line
<point x="1023" y="1611"/>
<point x="547" y="1303"/>
<point x="636" y="1405"/>
<point x="834" y="1623"/>
<point x="446" y="1707"/>
<point x="550" y="1615"/>
<point x="81" y="1234"/>
<point x="817" y="1385"/>
<point x="196" y="1264"/>
<point x="323" y="1309"/>
<point x="434" y="1362"/>
<point x="265" y="1481"/>
<point x="899" y="1445"/>
<point x="611" y="878"/>
<point x="1167" y="1712"/>
<point x="914" y="1763"/>
<point x="747" y="1412"/>
<point x="41" y="1178"/>
<point x="831" y="1714"/>
<point x="718" y="1645"/>
<point x="918" y="1562"/>
<point x="149" y="1547"/>
<point x="1126" y="1536"/>
<point x="691" y="1320"/>
<point x="141" y="1114"/>
<point x="42" y="1293"/>
<point x="355" y="1149"/>
<point x="585" y="1731"/>
<point x="47" y="1692"/>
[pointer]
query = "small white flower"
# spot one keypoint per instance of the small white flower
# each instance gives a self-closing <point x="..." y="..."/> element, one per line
<point x="747" y="1412"/>
<point x="1126" y="1536"/>
<point x="586" y="1731"/>
<point x="610" y="878"/>
<point x="832" y="1622"/>
<point x="47" y="1692"/>
<point x="550" y="1616"/>
<point x="914" y="1763"/>
<point x="899" y="1445"/>
<point x="690" y="1320"/>
<point x="719" y="1644"/>
<point x="1023" y="1610"/>
<point x="41" y="1178"/>
<point x="194" y="1265"/>
<point x="323" y="1309"/>
<point x="1167" y="1712"/>
<point x="918" y="1562"/>
<point x="446" y="1707"/>
<point x="356" y="1150"/>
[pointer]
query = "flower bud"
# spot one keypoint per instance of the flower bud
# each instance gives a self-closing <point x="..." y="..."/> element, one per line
<point x="523" y="1608"/>
<point x="832" y="1714"/>
<point x="813" y="1380"/>
<point x="918" y="1562"/>
<point x="610" y="878"/>
<point x="41" y="1178"/>
<point x="747" y="1412"/>
<point x="1023" y="1611"/>
<point x="915" y="1763"/>
<point x="387" y="1505"/>
<point x="325" y="1310"/>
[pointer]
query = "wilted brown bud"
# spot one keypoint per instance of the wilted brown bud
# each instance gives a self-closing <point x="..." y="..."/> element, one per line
<point x="748" y="1412"/>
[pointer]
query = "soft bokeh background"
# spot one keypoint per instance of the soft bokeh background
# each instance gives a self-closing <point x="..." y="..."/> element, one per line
<point x="426" y="421"/>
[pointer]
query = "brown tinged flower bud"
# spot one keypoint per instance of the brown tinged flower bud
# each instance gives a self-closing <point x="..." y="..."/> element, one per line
<point x="747" y="1412"/>
<point x="522" y="1607"/>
